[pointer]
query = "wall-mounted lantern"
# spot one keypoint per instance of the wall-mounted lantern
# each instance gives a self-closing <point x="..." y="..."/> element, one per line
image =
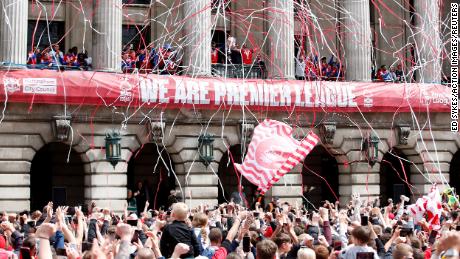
<point x="371" y="149"/>
<point x="206" y="148"/>
<point x="113" y="148"/>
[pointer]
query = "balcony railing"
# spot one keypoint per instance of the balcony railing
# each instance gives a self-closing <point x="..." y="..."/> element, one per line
<point x="239" y="71"/>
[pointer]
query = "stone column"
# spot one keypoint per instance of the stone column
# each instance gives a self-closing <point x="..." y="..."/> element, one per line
<point x="107" y="40"/>
<point x="197" y="184"/>
<point x="428" y="41"/>
<point x="281" y="36"/>
<point x="359" y="177"/>
<point x="289" y="187"/>
<point x="13" y="31"/>
<point x="105" y="184"/>
<point x="80" y="34"/>
<point x="356" y="31"/>
<point x="197" y="30"/>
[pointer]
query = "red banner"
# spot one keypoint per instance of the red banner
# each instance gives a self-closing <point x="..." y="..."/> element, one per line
<point x="99" y="88"/>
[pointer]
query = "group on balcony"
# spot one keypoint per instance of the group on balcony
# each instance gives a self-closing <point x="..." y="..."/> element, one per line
<point x="165" y="60"/>
<point x="52" y="57"/>
<point x="230" y="60"/>
<point x="384" y="75"/>
<point x="308" y="68"/>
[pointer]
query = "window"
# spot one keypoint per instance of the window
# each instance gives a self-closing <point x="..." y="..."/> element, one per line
<point x="299" y="5"/>
<point x="136" y="35"/>
<point x="136" y="2"/>
<point x="38" y="34"/>
<point x="218" y="5"/>
<point x="300" y="43"/>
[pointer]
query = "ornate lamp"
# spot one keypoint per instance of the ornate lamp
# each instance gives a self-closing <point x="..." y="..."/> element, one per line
<point x="113" y="148"/>
<point x="206" y="148"/>
<point x="371" y="149"/>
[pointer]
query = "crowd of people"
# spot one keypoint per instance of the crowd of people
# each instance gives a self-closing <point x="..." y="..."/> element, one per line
<point x="358" y="229"/>
<point x="168" y="60"/>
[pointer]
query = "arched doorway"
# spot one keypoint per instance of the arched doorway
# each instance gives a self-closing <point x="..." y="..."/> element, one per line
<point x="454" y="172"/>
<point x="154" y="171"/>
<point x="394" y="176"/>
<point x="53" y="178"/>
<point x="231" y="180"/>
<point x="320" y="177"/>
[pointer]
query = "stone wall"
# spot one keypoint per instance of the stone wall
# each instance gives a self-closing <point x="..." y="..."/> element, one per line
<point x="24" y="131"/>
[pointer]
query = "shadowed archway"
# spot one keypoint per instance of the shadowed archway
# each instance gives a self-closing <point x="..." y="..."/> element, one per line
<point x="394" y="176"/>
<point x="231" y="180"/>
<point x="320" y="177"/>
<point x="454" y="172"/>
<point x="53" y="178"/>
<point x="154" y="172"/>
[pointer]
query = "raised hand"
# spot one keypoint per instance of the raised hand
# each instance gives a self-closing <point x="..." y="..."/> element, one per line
<point x="46" y="230"/>
<point x="49" y="210"/>
<point x="180" y="249"/>
<point x="79" y="213"/>
<point x="7" y="226"/>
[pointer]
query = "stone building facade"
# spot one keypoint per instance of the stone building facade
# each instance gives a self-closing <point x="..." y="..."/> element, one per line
<point x="33" y="153"/>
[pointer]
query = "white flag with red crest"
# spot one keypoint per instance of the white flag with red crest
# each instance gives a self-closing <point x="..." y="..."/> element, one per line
<point x="273" y="152"/>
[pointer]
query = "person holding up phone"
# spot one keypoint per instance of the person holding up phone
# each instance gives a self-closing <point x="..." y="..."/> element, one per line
<point x="360" y="236"/>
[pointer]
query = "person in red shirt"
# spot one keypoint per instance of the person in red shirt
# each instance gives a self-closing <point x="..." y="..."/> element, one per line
<point x="247" y="55"/>
<point x="214" y="54"/>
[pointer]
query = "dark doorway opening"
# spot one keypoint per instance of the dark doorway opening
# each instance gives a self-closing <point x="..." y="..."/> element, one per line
<point x="52" y="178"/>
<point x="135" y="37"/>
<point x="454" y="172"/>
<point x="320" y="177"/>
<point x="151" y="166"/>
<point x="231" y="180"/>
<point x="44" y="34"/>
<point x="394" y="176"/>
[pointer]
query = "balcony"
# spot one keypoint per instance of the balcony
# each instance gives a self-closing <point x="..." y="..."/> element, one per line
<point x="239" y="71"/>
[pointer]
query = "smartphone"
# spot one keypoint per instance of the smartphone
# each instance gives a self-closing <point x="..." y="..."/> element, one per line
<point x="246" y="244"/>
<point x="432" y="237"/>
<point x="68" y="219"/>
<point x="61" y="252"/>
<point x="135" y="238"/>
<point x="365" y="255"/>
<point x="457" y="228"/>
<point x="337" y="245"/>
<point x="132" y="222"/>
<point x="86" y="246"/>
<point x="406" y="232"/>
<point x="31" y="224"/>
<point x="256" y="214"/>
<point x="25" y="253"/>
<point x="364" y="220"/>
